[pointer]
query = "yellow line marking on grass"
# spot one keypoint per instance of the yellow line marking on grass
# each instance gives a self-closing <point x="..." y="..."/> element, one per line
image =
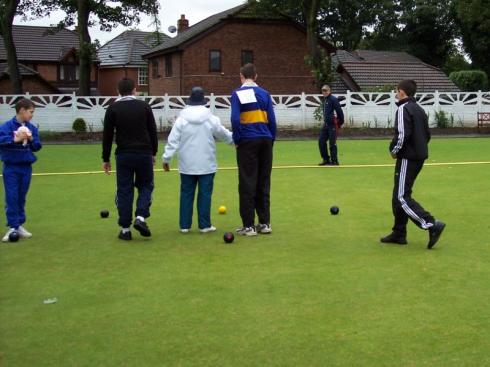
<point x="275" y="167"/>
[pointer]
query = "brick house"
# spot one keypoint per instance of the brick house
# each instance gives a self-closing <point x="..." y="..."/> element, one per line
<point x="32" y="82"/>
<point x="368" y="70"/>
<point x="52" y="55"/>
<point x="211" y="52"/>
<point x="121" y="57"/>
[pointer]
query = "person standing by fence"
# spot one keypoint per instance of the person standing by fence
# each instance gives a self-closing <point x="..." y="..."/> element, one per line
<point x="331" y="124"/>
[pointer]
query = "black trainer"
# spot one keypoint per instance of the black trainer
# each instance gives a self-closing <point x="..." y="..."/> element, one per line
<point x="126" y="236"/>
<point x="394" y="238"/>
<point x="435" y="232"/>
<point x="142" y="228"/>
<point x="325" y="163"/>
<point x="335" y="163"/>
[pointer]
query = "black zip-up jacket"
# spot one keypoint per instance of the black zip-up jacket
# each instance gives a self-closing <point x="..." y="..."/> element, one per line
<point x="412" y="132"/>
<point x="135" y="127"/>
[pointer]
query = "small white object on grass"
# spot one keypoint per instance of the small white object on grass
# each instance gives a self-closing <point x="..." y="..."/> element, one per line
<point x="50" y="301"/>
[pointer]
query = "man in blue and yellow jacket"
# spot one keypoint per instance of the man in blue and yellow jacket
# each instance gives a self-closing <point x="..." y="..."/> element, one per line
<point x="254" y="131"/>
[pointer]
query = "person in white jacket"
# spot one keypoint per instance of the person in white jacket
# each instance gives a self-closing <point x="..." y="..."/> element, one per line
<point x="193" y="138"/>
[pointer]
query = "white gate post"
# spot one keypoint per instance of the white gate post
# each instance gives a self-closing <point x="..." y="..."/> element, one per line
<point x="212" y="103"/>
<point x="166" y="106"/>
<point x="348" y="107"/>
<point x="303" y="108"/>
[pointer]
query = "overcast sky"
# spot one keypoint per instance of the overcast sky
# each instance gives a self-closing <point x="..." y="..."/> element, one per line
<point x="170" y="11"/>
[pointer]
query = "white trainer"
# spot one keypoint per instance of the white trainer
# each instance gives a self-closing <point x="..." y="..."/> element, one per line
<point x="24" y="233"/>
<point x="247" y="231"/>
<point x="184" y="230"/>
<point x="6" y="237"/>
<point x="208" y="229"/>
<point x="264" y="228"/>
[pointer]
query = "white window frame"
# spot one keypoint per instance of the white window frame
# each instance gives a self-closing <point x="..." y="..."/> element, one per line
<point x="143" y="77"/>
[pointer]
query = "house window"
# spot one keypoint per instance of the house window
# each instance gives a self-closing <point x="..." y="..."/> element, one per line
<point x="168" y="65"/>
<point x="142" y="76"/>
<point x="247" y="57"/>
<point x="154" y="69"/>
<point x="69" y="72"/>
<point x="214" y="60"/>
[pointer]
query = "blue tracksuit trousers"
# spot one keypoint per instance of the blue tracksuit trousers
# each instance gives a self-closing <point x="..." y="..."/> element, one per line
<point x="16" y="181"/>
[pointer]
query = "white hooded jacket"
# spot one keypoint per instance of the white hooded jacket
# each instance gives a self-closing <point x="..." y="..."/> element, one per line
<point x="193" y="138"/>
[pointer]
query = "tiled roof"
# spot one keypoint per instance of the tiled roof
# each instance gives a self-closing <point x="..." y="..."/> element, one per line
<point x="127" y="49"/>
<point x="370" y="69"/>
<point x="197" y="28"/>
<point x="244" y="11"/>
<point x="34" y="44"/>
<point x="24" y="70"/>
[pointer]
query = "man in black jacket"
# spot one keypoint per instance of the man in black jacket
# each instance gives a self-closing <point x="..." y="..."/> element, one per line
<point x="328" y="133"/>
<point x="410" y="149"/>
<point x="137" y="145"/>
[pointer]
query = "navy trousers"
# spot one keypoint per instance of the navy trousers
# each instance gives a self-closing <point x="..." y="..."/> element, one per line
<point x="16" y="181"/>
<point x="188" y="185"/>
<point x="328" y="133"/>
<point x="133" y="171"/>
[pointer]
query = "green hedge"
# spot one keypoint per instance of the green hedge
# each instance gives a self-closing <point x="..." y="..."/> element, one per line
<point x="470" y="80"/>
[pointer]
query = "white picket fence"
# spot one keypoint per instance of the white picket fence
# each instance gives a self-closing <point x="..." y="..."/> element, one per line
<point x="57" y="112"/>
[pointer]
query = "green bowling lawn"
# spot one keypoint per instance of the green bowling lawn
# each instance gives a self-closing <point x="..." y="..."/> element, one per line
<point x="319" y="291"/>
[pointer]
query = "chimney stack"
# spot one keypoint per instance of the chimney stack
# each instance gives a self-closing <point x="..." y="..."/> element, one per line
<point x="182" y="24"/>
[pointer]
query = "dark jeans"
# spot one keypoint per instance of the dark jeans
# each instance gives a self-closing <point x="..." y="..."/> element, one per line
<point x="133" y="171"/>
<point x="328" y="133"/>
<point x="254" y="159"/>
<point x="16" y="181"/>
<point x="404" y="206"/>
<point x="188" y="185"/>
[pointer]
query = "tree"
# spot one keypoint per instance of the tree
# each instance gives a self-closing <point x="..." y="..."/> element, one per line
<point x="424" y="28"/>
<point x="344" y="23"/>
<point x="304" y="12"/>
<point x="8" y="10"/>
<point x="473" y="19"/>
<point x="107" y="14"/>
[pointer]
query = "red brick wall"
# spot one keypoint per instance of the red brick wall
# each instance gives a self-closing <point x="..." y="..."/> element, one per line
<point x="48" y="71"/>
<point x="109" y="77"/>
<point x="163" y="84"/>
<point x="279" y="51"/>
<point x="29" y="84"/>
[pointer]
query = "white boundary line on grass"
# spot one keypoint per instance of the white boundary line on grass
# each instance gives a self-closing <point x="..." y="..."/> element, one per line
<point x="275" y="167"/>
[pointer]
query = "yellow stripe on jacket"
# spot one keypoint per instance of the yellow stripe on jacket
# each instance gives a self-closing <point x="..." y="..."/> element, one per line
<point x="252" y="117"/>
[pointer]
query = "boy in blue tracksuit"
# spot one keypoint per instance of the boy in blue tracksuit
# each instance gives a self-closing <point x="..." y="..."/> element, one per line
<point x="254" y="131"/>
<point x="19" y="138"/>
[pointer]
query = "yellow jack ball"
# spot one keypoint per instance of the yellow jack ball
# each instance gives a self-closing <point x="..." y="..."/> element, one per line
<point x="222" y="209"/>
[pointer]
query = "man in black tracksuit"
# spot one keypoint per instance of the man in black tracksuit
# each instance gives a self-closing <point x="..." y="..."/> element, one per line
<point x="410" y="149"/>
<point x="137" y="145"/>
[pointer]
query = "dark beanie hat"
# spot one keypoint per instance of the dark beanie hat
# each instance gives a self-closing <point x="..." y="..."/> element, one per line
<point x="197" y="97"/>
<point x="408" y="86"/>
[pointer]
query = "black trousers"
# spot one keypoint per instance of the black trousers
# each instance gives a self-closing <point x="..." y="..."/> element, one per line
<point x="133" y="171"/>
<point x="404" y="206"/>
<point x="254" y="158"/>
<point x="328" y="133"/>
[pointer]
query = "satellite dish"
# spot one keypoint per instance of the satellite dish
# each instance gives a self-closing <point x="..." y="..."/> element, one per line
<point x="172" y="29"/>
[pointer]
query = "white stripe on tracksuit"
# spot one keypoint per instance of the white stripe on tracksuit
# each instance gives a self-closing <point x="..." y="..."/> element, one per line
<point x="401" y="130"/>
<point x="401" y="190"/>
